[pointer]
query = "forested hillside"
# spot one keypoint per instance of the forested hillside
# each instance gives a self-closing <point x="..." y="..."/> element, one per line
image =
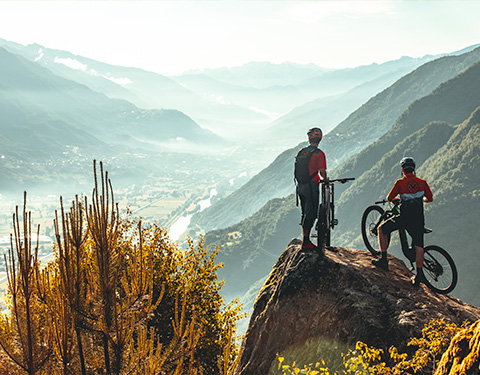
<point x="452" y="102"/>
<point x="252" y="246"/>
<point x="442" y="132"/>
<point x="378" y="115"/>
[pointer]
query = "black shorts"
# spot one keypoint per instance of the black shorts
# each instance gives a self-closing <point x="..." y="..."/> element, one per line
<point x="415" y="226"/>
<point x="309" y="194"/>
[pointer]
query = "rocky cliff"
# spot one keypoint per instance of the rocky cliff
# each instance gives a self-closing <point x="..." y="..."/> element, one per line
<point x="312" y="306"/>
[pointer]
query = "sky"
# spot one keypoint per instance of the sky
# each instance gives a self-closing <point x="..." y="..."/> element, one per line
<point x="170" y="37"/>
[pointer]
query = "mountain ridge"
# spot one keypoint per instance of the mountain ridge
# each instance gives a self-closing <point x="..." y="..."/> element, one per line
<point x="356" y="133"/>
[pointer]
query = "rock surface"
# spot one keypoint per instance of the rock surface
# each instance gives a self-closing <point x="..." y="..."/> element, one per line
<point x="463" y="355"/>
<point x="340" y="298"/>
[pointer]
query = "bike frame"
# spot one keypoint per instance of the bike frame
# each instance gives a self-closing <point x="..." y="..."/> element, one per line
<point x="326" y="211"/>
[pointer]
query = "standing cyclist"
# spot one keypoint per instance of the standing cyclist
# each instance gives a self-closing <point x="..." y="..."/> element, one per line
<point x="311" y="160"/>
<point x="413" y="191"/>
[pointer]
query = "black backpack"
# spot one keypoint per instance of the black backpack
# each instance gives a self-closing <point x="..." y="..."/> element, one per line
<point x="302" y="160"/>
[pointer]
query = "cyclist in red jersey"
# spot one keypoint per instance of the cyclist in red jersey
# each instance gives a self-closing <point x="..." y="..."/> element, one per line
<point x="413" y="192"/>
<point x="309" y="192"/>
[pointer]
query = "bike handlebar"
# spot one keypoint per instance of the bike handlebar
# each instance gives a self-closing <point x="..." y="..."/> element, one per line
<point x="342" y="180"/>
<point x="396" y="201"/>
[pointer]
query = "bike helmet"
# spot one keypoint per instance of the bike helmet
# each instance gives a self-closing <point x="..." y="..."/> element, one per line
<point x="314" y="133"/>
<point x="408" y="164"/>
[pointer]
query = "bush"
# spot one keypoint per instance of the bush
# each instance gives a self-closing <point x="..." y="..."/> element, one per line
<point x="365" y="360"/>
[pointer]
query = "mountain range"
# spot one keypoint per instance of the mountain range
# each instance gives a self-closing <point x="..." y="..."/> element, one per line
<point x="142" y="88"/>
<point x="51" y="128"/>
<point x="359" y="130"/>
<point x="440" y="129"/>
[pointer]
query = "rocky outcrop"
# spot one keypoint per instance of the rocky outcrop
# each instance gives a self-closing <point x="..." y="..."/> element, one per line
<point x="463" y="355"/>
<point x="311" y="304"/>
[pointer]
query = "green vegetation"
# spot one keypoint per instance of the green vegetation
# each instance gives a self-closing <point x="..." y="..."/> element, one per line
<point x="250" y="248"/>
<point x="365" y="360"/>
<point x="119" y="298"/>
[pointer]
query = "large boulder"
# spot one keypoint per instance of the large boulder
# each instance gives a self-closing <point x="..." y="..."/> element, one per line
<point x="312" y="306"/>
<point x="463" y="355"/>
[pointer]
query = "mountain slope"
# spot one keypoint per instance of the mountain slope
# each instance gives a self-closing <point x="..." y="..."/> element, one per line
<point x="328" y="112"/>
<point x="448" y="157"/>
<point x="378" y="115"/>
<point x="452" y="172"/>
<point x="452" y="102"/>
<point x="454" y="175"/>
<point x="270" y="183"/>
<point x="249" y="248"/>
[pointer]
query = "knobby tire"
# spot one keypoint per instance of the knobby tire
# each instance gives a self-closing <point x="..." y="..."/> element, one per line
<point x="370" y="224"/>
<point x="439" y="270"/>
<point x="323" y="229"/>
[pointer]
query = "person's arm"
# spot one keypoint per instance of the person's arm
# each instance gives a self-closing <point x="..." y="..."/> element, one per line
<point x="394" y="192"/>
<point x="428" y="197"/>
<point x="323" y="174"/>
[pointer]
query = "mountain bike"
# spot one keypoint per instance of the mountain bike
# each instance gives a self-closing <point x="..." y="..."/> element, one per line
<point x="438" y="266"/>
<point x="326" y="212"/>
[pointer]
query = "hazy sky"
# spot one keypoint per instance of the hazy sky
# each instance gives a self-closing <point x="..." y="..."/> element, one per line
<point x="173" y="36"/>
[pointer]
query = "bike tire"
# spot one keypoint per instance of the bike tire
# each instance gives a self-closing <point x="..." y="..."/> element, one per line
<point x="440" y="272"/>
<point x="323" y="235"/>
<point x="370" y="221"/>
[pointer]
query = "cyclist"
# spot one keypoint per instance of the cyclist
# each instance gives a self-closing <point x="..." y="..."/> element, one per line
<point x="413" y="191"/>
<point x="309" y="191"/>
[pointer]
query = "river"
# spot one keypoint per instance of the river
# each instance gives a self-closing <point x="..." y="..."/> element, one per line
<point x="182" y="223"/>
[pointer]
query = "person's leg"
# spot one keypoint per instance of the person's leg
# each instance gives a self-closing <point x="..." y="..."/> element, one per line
<point x="417" y="233"/>
<point x="310" y="196"/>
<point x="382" y="240"/>
<point x="304" y="222"/>
<point x="419" y="256"/>
<point x="383" y="231"/>
<point x="306" y="229"/>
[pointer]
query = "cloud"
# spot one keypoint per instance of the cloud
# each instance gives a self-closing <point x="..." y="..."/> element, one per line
<point x="71" y="63"/>
<point x="119" y="81"/>
<point x="40" y="54"/>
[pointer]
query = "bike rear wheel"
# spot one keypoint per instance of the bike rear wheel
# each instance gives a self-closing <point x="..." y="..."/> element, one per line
<point x="371" y="220"/>
<point x="439" y="270"/>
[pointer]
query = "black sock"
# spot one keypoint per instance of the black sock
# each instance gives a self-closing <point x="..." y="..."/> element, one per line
<point x="384" y="255"/>
<point x="306" y="240"/>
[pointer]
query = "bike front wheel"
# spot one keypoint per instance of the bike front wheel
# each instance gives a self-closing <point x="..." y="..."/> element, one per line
<point x="371" y="220"/>
<point x="439" y="270"/>
<point x="323" y="227"/>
